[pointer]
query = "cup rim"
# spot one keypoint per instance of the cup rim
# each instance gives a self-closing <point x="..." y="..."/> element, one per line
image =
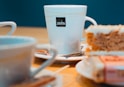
<point x="32" y="41"/>
<point x="65" y="6"/>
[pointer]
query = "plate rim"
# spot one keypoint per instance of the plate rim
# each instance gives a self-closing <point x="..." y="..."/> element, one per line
<point x="82" y="73"/>
<point x="80" y="70"/>
<point x="59" y="58"/>
<point x="62" y="58"/>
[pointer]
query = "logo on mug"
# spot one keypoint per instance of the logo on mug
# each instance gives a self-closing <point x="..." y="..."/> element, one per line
<point x="60" y="22"/>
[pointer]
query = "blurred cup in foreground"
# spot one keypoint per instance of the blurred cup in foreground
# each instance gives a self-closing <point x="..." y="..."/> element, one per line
<point x="16" y="54"/>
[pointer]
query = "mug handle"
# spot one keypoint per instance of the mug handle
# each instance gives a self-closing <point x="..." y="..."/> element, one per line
<point x="10" y="23"/>
<point x="92" y="21"/>
<point x="47" y="62"/>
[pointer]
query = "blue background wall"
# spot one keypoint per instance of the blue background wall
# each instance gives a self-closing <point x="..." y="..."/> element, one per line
<point x="31" y="13"/>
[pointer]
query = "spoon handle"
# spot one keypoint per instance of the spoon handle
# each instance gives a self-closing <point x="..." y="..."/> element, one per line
<point x="47" y="62"/>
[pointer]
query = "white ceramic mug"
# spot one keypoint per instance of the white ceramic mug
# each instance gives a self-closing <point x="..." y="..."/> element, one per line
<point x="10" y="23"/>
<point x="16" y="54"/>
<point x="65" y="26"/>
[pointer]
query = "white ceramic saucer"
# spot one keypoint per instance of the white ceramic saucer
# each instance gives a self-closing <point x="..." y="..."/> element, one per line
<point x="86" y="72"/>
<point x="58" y="81"/>
<point x="60" y="58"/>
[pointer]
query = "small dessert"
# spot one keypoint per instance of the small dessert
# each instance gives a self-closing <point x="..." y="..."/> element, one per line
<point x="43" y="51"/>
<point x="106" y="69"/>
<point x="105" y="39"/>
<point x="38" y="82"/>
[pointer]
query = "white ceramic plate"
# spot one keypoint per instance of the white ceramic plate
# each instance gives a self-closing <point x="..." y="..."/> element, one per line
<point x="86" y="72"/>
<point x="58" y="81"/>
<point x="60" y="58"/>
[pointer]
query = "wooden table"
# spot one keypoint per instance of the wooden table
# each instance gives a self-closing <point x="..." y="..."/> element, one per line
<point x="71" y="78"/>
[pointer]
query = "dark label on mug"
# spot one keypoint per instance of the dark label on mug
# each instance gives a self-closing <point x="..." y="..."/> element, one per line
<point x="60" y="22"/>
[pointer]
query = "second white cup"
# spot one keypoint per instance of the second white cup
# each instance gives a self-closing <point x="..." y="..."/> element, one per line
<point x="65" y="26"/>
